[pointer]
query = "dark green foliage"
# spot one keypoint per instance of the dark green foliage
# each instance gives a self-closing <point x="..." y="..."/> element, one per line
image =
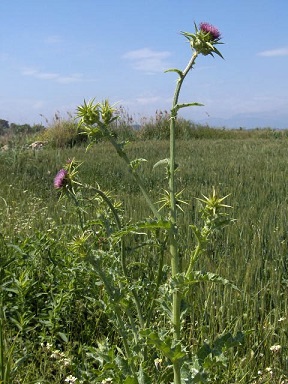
<point x="24" y="129"/>
<point x="4" y="126"/>
<point x="52" y="296"/>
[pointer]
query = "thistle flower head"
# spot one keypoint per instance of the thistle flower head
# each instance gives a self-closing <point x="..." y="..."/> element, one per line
<point x="208" y="28"/>
<point x="204" y="39"/>
<point x="60" y="179"/>
<point x="67" y="178"/>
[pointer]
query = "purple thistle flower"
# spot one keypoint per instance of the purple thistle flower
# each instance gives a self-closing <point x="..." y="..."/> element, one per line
<point x="208" y="28"/>
<point x="60" y="179"/>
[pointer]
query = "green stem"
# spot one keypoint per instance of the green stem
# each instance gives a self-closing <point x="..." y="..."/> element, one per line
<point x="137" y="178"/>
<point x="118" y="313"/>
<point x="123" y="251"/>
<point x="173" y="233"/>
<point x="108" y="202"/>
<point x="76" y="201"/>
<point x="193" y="258"/>
<point x="158" y="282"/>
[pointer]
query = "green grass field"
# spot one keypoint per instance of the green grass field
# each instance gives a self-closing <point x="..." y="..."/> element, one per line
<point x="49" y="296"/>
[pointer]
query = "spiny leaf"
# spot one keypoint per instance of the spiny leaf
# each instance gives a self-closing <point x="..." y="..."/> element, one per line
<point x="221" y="343"/>
<point x="161" y="162"/>
<point x="63" y="337"/>
<point x="188" y="35"/>
<point x="199" y="276"/>
<point x="184" y="105"/>
<point x="180" y="73"/>
<point x="218" y="53"/>
<point x="172" y="352"/>
<point x="142" y="225"/>
<point x="134" y="164"/>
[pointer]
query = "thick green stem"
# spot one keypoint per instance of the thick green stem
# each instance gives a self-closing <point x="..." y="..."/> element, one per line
<point x="173" y="238"/>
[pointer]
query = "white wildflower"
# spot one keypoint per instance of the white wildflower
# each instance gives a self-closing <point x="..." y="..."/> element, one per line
<point x="70" y="379"/>
<point x="275" y="348"/>
<point x="55" y="354"/>
<point x="269" y="370"/>
<point x="157" y="363"/>
<point x="47" y="346"/>
<point x="66" y="362"/>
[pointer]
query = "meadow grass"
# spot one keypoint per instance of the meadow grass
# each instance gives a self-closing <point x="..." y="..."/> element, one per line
<point x="45" y="289"/>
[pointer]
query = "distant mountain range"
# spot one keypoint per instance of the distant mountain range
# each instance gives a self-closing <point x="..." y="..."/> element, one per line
<point x="249" y="121"/>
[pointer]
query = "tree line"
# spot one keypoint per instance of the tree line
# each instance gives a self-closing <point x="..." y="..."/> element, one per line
<point x="7" y="128"/>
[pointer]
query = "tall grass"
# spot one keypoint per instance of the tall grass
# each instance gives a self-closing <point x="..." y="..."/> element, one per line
<point x="63" y="132"/>
<point x="253" y="251"/>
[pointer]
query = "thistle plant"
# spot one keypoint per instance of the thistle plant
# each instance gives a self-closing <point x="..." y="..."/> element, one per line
<point x="148" y="350"/>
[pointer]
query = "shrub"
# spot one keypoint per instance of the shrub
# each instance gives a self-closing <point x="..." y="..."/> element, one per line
<point x="62" y="133"/>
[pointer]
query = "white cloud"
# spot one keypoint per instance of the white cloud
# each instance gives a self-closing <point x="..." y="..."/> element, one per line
<point x="45" y="75"/>
<point x="52" y="76"/>
<point x="38" y="104"/>
<point x="274" y="52"/>
<point x="147" y="60"/>
<point x="74" y="77"/>
<point x="147" y="100"/>
<point x="53" y="39"/>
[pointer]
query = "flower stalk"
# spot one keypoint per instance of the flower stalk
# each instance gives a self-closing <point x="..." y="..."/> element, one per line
<point x="95" y="119"/>
<point x="64" y="181"/>
<point x="202" y="41"/>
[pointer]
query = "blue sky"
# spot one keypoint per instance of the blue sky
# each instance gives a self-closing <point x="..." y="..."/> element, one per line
<point x="56" y="53"/>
